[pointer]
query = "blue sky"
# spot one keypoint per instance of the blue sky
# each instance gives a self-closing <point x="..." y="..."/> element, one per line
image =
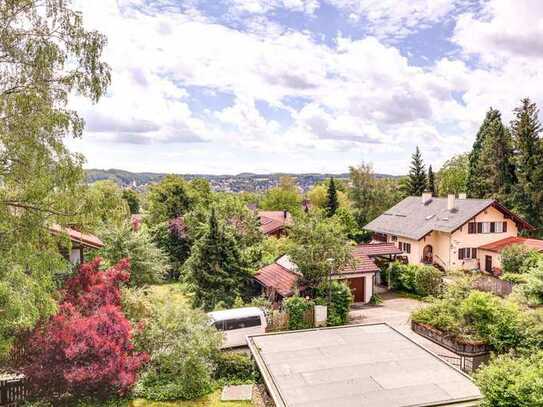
<point x="229" y="86"/>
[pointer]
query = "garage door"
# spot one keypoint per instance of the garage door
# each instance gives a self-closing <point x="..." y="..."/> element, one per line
<point x="357" y="288"/>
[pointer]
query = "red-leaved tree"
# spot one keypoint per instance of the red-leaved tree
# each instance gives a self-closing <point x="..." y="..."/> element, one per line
<point x="86" y="349"/>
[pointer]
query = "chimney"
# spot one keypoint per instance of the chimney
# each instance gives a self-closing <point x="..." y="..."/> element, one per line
<point x="426" y="197"/>
<point x="462" y="195"/>
<point x="450" y="202"/>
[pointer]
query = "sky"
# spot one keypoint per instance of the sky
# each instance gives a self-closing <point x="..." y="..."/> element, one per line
<point x="230" y="86"/>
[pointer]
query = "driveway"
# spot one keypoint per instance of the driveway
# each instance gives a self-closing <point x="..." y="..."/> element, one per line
<point x="395" y="311"/>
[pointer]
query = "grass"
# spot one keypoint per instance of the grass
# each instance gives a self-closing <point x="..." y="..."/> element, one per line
<point x="211" y="400"/>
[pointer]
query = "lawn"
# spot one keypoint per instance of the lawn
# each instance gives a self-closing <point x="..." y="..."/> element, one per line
<point x="211" y="400"/>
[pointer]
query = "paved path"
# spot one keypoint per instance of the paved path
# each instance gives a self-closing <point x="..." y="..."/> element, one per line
<point x="395" y="311"/>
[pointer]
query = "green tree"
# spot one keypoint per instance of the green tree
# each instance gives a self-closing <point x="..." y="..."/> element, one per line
<point x="431" y="181"/>
<point x="475" y="181"/>
<point x="278" y="199"/>
<point x="416" y="182"/>
<point x="107" y="205"/>
<point x="453" y="174"/>
<point x="132" y="200"/>
<point x="170" y="198"/>
<point x="332" y="203"/>
<point x="148" y="264"/>
<point x="46" y="53"/>
<point x="496" y="163"/>
<point x="216" y="271"/>
<point x="318" y="246"/>
<point x="525" y="129"/>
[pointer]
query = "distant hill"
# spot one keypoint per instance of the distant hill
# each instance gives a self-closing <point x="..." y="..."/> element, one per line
<point x="236" y="183"/>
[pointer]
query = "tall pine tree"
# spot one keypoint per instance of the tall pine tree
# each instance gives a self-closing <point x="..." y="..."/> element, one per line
<point x="525" y="129"/>
<point x="431" y="181"/>
<point x="216" y="271"/>
<point x="416" y="181"/>
<point x="475" y="182"/>
<point x="332" y="203"/>
<point x="496" y="163"/>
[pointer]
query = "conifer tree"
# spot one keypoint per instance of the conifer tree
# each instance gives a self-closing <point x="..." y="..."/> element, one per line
<point x="475" y="179"/>
<point x="525" y="129"/>
<point x="431" y="181"/>
<point x="215" y="271"/>
<point x="332" y="203"/>
<point x="496" y="163"/>
<point x="416" y="182"/>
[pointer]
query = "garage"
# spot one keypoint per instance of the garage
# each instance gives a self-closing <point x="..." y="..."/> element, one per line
<point x="358" y="288"/>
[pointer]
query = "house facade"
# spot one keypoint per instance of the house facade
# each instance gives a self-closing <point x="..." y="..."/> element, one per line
<point x="450" y="233"/>
<point x="79" y="243"/>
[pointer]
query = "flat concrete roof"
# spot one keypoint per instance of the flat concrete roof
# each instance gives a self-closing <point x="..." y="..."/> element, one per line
<point x="357" y="366"/>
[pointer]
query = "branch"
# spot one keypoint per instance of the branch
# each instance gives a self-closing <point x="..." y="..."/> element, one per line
<point x="31" y="207"/>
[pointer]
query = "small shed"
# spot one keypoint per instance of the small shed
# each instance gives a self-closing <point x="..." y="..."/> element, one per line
<point x="79" y="240"/>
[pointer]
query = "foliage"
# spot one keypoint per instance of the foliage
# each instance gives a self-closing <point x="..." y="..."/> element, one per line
<point x="416" y="181"/>
<point x="376" y="299"/>
<point x="172" y="238"/>
<point x="526" y="129"/>
<point x="318" y="196"/>
<point x="148" y="263"/>
<point x="170" y="198"/>
<point x="272" y="247"/>
<point x="332" y="203"/>
<point x="532" y="289"/>
<point x="109" y="206"/>
<point x="371" y="196"/>
<point x="46" y="54"/>
<point x="86" y="349"/>
<point x="431" y="181"/>
<point x="453" y="174"/>
<point x="341" y="299"/>
<point x="216" y="270"/>
<point x="418" y="279"/>
<point x="480" y="315"/>
<point x="183" y="348"/>
<point x="282" y="199"/>
<point x="296" y="307"/>
<point x="514" y="278"/>
<point x="132" y="200"/>
<point x="234" y="367"/>
<point x="518" y="259"/>
<point x="508" y="381"/>
<point x="319" y="246"/>
<point x="347" y="220"/>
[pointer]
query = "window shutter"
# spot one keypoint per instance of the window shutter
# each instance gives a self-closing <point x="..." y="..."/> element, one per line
<point x="474" y="253"/>
<point x="471" y="228"/>
<point x="479" y="227"/>
<point x="505" y="226"/>
<point x="460" y="254"/>
<point x="492" y="227"/>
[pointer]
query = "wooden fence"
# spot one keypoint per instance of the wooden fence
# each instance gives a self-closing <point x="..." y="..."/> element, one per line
<point x="278" y="320"/>
<point x="493" y="285"/>
<point x="13" y="392"/>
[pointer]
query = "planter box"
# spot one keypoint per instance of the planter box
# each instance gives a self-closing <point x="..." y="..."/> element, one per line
<point x="457" y="345"/>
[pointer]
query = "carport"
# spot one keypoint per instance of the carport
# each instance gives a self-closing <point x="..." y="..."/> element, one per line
<point x="357" y="366"/>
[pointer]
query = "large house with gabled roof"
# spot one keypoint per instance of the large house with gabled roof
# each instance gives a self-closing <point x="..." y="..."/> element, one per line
<point x="450" y="233"/>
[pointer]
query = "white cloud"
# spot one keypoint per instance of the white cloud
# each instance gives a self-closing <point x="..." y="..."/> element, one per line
<point x="264" y="6"/>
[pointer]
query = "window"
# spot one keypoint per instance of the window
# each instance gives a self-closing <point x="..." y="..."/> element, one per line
<point x="241" y="323"/>
<point x="404" y="247"/>
<point x="498" y="228"/>
<point x="467" y="253"/>
<point x="487" y="227"/>
<point x="472" y="228"/>
<point x="393" y="238"/>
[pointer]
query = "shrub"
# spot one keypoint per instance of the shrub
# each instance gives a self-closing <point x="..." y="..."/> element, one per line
<point x="532" y="289"/>
<point x="512" y="382"/>
<point x="183" y="349"/>
<point x="149" y="264"/>
<point x="518" y="259"/>
<point x="514" y="278"/>
<point x="296" y="307"/>
<point x="341" y="300"/>
<point x="171" y="237"/>
<point x="417" y="279"/>
<point x="233" y="367"/>
<point x="86" y="349"/>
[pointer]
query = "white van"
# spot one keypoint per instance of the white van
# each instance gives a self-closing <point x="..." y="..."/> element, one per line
<point x="237" y="323"/>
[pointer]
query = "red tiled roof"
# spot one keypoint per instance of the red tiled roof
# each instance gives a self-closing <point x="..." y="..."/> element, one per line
<point x="363" y="263"/>
<point x="277" y="277"/>
<point x="498" y="246"/>
<point x="378" y="249"/>
<point x="78" y="237"/>
<point x="271" y="221"/>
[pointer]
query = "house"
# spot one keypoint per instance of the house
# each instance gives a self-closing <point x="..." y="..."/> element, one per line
<point x="274" y="223"/>
<point x="494" y="249"/>
<point x="450" y="233"/>
<point x="357" y="365"/>
<point x="79" y="242"/>
<point x="280" y="279"/>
